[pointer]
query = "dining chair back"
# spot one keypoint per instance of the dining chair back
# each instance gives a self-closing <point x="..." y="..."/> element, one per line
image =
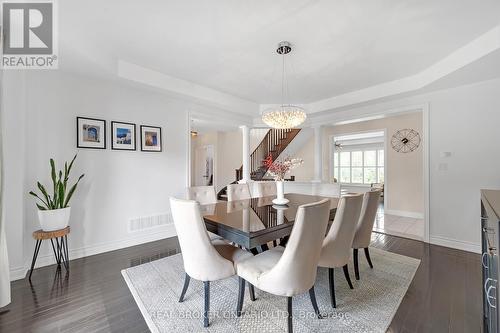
<point x="363" y="235"/>
<point x="295" y="271"/>
<point x="201" y="259"/>
<point x="265" y="189"/>
<point x="367" y="217"/>
<point x="203" y="194"/>
<point x="337" y="243"/>
<point x="292" y="270"/>
<point x="204" y="260"/>
<point x="238" y="192"/>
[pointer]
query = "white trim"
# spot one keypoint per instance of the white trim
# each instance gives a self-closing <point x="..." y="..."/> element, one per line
<point x="48" y="259"/>
<point x="465" y="55"/>
<point x="426" y="168"/>
<point x="189" y="152"/>
<point x="402" y="213"/>
<point x="186" y="89"/>
<point x="456" y="244"/>
<point x="17" y="273"/>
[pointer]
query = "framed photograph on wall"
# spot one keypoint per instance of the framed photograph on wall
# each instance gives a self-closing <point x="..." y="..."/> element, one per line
<point x="122" y="136"/>
<point x="91" y="133"/>
<point x="150" y="138"/>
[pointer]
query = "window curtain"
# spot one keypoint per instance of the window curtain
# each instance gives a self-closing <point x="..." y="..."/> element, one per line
<point x="4" y="259"/>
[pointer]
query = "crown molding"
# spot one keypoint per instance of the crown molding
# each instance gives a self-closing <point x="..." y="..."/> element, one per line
<point x="469" y="53"/>
<point x="195" y="92"/>
<point x="238" y="109"/>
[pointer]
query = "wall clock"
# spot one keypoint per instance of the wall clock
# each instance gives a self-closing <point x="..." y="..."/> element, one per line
<point x="405" y="140"/>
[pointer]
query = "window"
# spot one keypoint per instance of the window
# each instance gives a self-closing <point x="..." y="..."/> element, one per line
<point x="360" y="166"/>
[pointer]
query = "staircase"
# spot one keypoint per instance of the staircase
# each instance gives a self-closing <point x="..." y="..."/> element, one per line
<point x="274" y="143"/>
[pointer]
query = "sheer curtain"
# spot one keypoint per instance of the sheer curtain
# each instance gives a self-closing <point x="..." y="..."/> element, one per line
<point x="4" y="259"/>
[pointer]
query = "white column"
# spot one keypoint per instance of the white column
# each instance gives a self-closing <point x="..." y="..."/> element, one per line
<point x="245" y="131"/>
<point x="318" y="154"/>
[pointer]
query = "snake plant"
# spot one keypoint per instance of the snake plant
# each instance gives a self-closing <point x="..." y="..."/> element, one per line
<point x="59" y="198"/>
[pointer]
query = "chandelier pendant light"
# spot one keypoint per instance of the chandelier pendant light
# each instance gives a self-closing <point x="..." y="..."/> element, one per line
<point x="284" y="116"/>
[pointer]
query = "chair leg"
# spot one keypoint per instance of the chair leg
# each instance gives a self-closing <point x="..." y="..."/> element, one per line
<point x="347" y="276"/>
<point x="251" y="289"/>
<point x="331" y="278"/>
<point x="187" y="278"/>
<point x="356" y="264"/>
<point x="241" y="296"/>
<point x="207" y="303"/>
<point x="312" y="295"/>
<point x="290" y="315"/>
<point x="367" y="255"/>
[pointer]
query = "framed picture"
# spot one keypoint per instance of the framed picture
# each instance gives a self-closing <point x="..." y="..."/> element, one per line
<point x="91" y="133"/>
<point x="122" y="136"/>
<point x="150" y="138"/>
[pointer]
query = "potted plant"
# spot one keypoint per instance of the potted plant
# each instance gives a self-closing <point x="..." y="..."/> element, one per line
<point x="54" y="210"/>
<point x="278" y="170"/>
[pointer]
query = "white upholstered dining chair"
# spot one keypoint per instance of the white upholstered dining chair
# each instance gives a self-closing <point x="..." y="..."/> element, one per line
<point x="204" y="260"/>
<point x="238" y="192"/>
<point x="265" y="189"/>
<point x="292" y="270"/>
<point x="203" y="194"/>
<point x="364" y="228"/>
<point x="337" y="244"/>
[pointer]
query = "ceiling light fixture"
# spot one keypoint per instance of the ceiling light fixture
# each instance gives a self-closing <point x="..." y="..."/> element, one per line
<point x="287" y="115"/>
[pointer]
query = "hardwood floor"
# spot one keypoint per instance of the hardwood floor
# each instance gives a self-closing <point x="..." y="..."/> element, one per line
<point x="445" y="295"/>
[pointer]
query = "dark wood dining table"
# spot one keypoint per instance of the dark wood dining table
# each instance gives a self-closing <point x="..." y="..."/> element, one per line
<point x="252" y="223"/>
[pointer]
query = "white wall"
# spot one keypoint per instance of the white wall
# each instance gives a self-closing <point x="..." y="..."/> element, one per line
<point x="14" y="145"/>
<point x="464" y="121"/>
<point x="118" y="185"/>
<point x="404" y="172"/>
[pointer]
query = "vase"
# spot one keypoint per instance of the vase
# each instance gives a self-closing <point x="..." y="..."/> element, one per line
<point x="54" y="219"/>
<point x="280" y="194"/>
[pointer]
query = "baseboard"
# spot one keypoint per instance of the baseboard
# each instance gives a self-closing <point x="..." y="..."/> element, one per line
<point x="17" y="273"/>
<point x="48" y="259"/>
<point x="403" y="213"/>
<point x="456" y="244"/>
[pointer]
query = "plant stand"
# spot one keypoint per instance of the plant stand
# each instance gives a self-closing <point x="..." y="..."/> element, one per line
<point x="60" y="248"/>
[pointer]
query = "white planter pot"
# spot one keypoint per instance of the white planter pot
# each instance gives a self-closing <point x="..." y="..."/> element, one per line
<point x="55" y="219"/>
<point x="280" y="194"/>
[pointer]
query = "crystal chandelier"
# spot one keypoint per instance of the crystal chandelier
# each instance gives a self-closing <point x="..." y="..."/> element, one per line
<point x="287" y="115"/>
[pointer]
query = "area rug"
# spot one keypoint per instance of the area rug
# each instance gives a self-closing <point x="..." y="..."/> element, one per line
<point x="370" y="307"/>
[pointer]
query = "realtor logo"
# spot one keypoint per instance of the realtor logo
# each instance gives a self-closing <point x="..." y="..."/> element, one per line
<point x="29" y="39"/>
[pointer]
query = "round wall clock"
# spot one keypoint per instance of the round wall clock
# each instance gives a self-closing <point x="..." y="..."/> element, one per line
<point x="405" y="140"/>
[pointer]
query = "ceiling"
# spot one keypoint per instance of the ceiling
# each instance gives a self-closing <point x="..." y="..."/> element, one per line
<point x="229" y="46"/>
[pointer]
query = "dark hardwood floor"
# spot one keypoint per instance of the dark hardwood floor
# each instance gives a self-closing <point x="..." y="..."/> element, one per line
<point x="445" y="295"/>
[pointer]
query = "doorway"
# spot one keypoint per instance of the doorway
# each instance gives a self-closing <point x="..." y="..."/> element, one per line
<point x="204" y="166"/>
<point x="386" y="153"/>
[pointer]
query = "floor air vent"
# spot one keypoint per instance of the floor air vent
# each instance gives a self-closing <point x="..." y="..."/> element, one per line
<point x="146" y="259"/>
<point x="149" y="222"/>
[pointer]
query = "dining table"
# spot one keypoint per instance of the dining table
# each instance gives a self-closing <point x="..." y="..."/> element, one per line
<point x="255" y="222"/>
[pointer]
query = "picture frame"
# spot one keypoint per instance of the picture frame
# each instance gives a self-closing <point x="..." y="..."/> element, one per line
<point x="123" y="136"/>
<point x="151" y="140"/>
<point x="90" y="133"/>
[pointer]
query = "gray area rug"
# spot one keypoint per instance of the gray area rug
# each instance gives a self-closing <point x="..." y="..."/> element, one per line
<point x="370" y="307"/>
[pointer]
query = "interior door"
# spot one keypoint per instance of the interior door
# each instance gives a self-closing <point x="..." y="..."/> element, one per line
<point x="204" y="165"/>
